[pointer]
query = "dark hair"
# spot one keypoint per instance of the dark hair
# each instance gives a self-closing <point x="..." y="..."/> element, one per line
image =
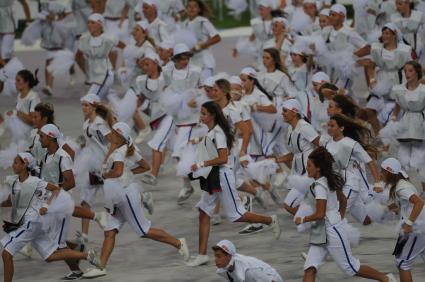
<point x="224" y="86"/>
<point x="357" y="132"/>
<point x="346" y="104"/>
<point x="214" y="109"/>
<point x="392" y="180"/>
<point x="392" y="31"/>
<point x="323" y="160"/>
<point x="106" y="113"/>
<point x="28" y="77"/>
<point x="46" y="111"/>
<point x="326" y="86"/>
<point x="275" y="54"/>
<point x="204" y="10"/>
<point x="417" y="67"/>
<point x="33" y="171"/>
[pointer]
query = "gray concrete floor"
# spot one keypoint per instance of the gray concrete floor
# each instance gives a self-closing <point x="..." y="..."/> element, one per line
<point x="137" y="259"/>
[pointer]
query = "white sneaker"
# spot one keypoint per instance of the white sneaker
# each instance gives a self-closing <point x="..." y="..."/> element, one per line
<point x="94" y="259"/>
<point x="184" y="249"/>
<point x="216" y="219"/>
<point x="185" y="194"/>
<point x="147" y="200"/>
<point x="276" y="227"/>
<point x="101" y="218"/>
<point x="391" y="277"/>
<point x="304" y="256"/>
<point x="26" y="250"/>
<point x="143" y="134"/>
<point x="198" y="260"/>
<point x="150" y="179"/>
<point x="94" y="273"/>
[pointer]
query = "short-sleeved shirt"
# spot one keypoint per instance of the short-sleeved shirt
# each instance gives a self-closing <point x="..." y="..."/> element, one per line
<point x="219" y="139"/>
<point x="28" y="103"/>
<point x="321" y="191"/>
<point x="95" y="133"/>
<point x="405" y="190"/>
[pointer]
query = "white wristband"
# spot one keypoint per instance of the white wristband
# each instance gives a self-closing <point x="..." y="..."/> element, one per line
<point x="198" y="47"/>
<point x="377" y="184"/>
<point x="244" y="158"/>
<point x="45" y="205"/>
<point x="302" y="219"/>
<point x="254" y="107"/>
<point x="409" y="222"/>
<point x="200" y="165"/>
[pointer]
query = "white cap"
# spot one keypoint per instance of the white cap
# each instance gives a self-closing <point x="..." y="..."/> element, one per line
<point x="180" y="48"/>
<point x="324" y="12"/>
<point x="394" y="29"/>
<point x="293" y="105"/>
<point x="265" y="3"/>
<point x="97" y="18"/>
<point x="393" y="166"/>
<point x="152" y="56"/>
<point x="209" y="82"/>
<point x="151" y="2"/>
<point x="280" y="20"/>
<point x="235" y="80"/>
<point x="340" y="9"/>
<point x="124" y="130"/>
<point x="90" y="98"/>
<point x="227" y="247"/>
<point x="166" y="44"/>
<point x="249" y="71"/>
<point x="298" y="50"/>
<point x="320" y="77"/>
<point x="143" y="24"/>
<point x="51" y="130"/>
<point x="27" y="158"/>
<point x="222" y="75"/>
<point x="310" y="2"/>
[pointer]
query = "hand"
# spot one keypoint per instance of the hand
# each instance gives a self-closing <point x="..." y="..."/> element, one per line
<point x="407" y="228"/>
<point x="298" y="220"/>
<point x="192" y="103"/>
<point x="378" y="188"/>
<point x="234" y="53"/>
<point x="194" y="167"/>
<point x="43" y="211"/>
<point x="244" y="163"/>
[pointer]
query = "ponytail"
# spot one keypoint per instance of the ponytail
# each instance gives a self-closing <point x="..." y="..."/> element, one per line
<point x="106" y="113"/>
<point x="323" y="160"/>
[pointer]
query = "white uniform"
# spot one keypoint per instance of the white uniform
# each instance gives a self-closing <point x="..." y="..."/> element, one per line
<point x="249" y="269"/>
<point x="349" y="155"/>
<point x="168" y="10"/>
<point x="389" y="65"/>
<point x="8" y="76"/>
<point x="337" y="243"/>
<point x="229" y="200"/>
<point x="415" y="245"/>
<point x="81" y="10"/>
<point x="411" y="133"/>
<point x="98" y="66"/>
<point x="112" y="15"/>
<point x="263" y="32"/>
<point x="7" y="29"/>
<point x="51" y="170"/>
<point x="27" y="199"/>
<point x="131" y="54"/>
<point x="364" y="22"/>
<point x="89" y="160"/>
<point x="123" y="196"/>
<point x="158" y="31"/>
<point x="203" y="30"/>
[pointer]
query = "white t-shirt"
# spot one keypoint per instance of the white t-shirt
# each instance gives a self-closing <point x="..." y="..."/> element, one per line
<point x="219" y="139"/>
<point x="321" y="192"/>
<point x="28" y="103"/>
<point x="405" y="190"/>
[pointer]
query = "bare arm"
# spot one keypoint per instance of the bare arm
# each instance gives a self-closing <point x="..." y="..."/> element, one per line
<point x="26" y="8"/>
<point x="267" y="109"/>
<point x="342" y="202"/>
<point x="68" y="180"/>
<point x="142" y="167"/>
<point x="320" y="211"/>
<point x="364" y="51"/>
<point x="245" y="129"/>
<point x="7" y="203"/>
<point x="116" y="171"/>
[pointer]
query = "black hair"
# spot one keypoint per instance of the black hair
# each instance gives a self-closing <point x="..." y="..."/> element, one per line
<point x="346" y="104"/>
<point x="391" y="180"/>
<point x="224" y="86"/>
<point x="392" y="31"/>
<point x="214" y="109"/>
<point x="275" y="54"/>
<point x="28" y="77"/>
<point x="417" y="67"/>
<point x="105" y="112"/>
<point x="323" y="160"/>
<point x="326" y="86"/>
<point x="204" y="9"/>
<point x="47" y="111"/>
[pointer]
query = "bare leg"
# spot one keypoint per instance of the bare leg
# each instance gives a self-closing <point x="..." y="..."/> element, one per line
<point x="49" y="77"/>
<point x="163" y="237"/>
<point x="405" y="276"/>
<point x="248" y="188"/>
<point x="255" y="218"/>
<point x="368" y="272"/>
<point x="156" y="162"/>
<point x="204" y="232"/>
<point x="108" y="246"/>
<point x="83" y="213"/>
<point x="310" y="274"/>
<point x="66" y="254"/>
<point x="85" y="223"/>
<point x="138" y="121"/>
<point x="367" y="220"/>
<point x="7" y="266"/>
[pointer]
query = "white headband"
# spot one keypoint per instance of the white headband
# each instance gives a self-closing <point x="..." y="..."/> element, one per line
<point x="51" y="130"/>
<point x="97" y="18"/>
<point x="90" y="98"/>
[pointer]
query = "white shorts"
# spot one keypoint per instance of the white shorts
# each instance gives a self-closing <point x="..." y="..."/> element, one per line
<point x="183" y="135"/>
<point x="414" y="247"/>
<point x="412" y="155"/>
<point x="355" y="205"/>
<point x="230" y="203"/>
<point x="88" y="194"/>
<point x="7" y="42"/>
<point x="50" y="54"/>
<point x="162" y="134"/>
<point x="130" y="210"/>
<point x="59" y="232"/>
<point x="294" y="198"/>
<point x="102" y="90"/>
<point x="338" y="246"/>
<point x="30" y="232"/>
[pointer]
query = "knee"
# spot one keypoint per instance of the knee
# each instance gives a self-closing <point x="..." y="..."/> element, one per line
<point x="311" y="271"/>
<point x="6" y="255"/>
